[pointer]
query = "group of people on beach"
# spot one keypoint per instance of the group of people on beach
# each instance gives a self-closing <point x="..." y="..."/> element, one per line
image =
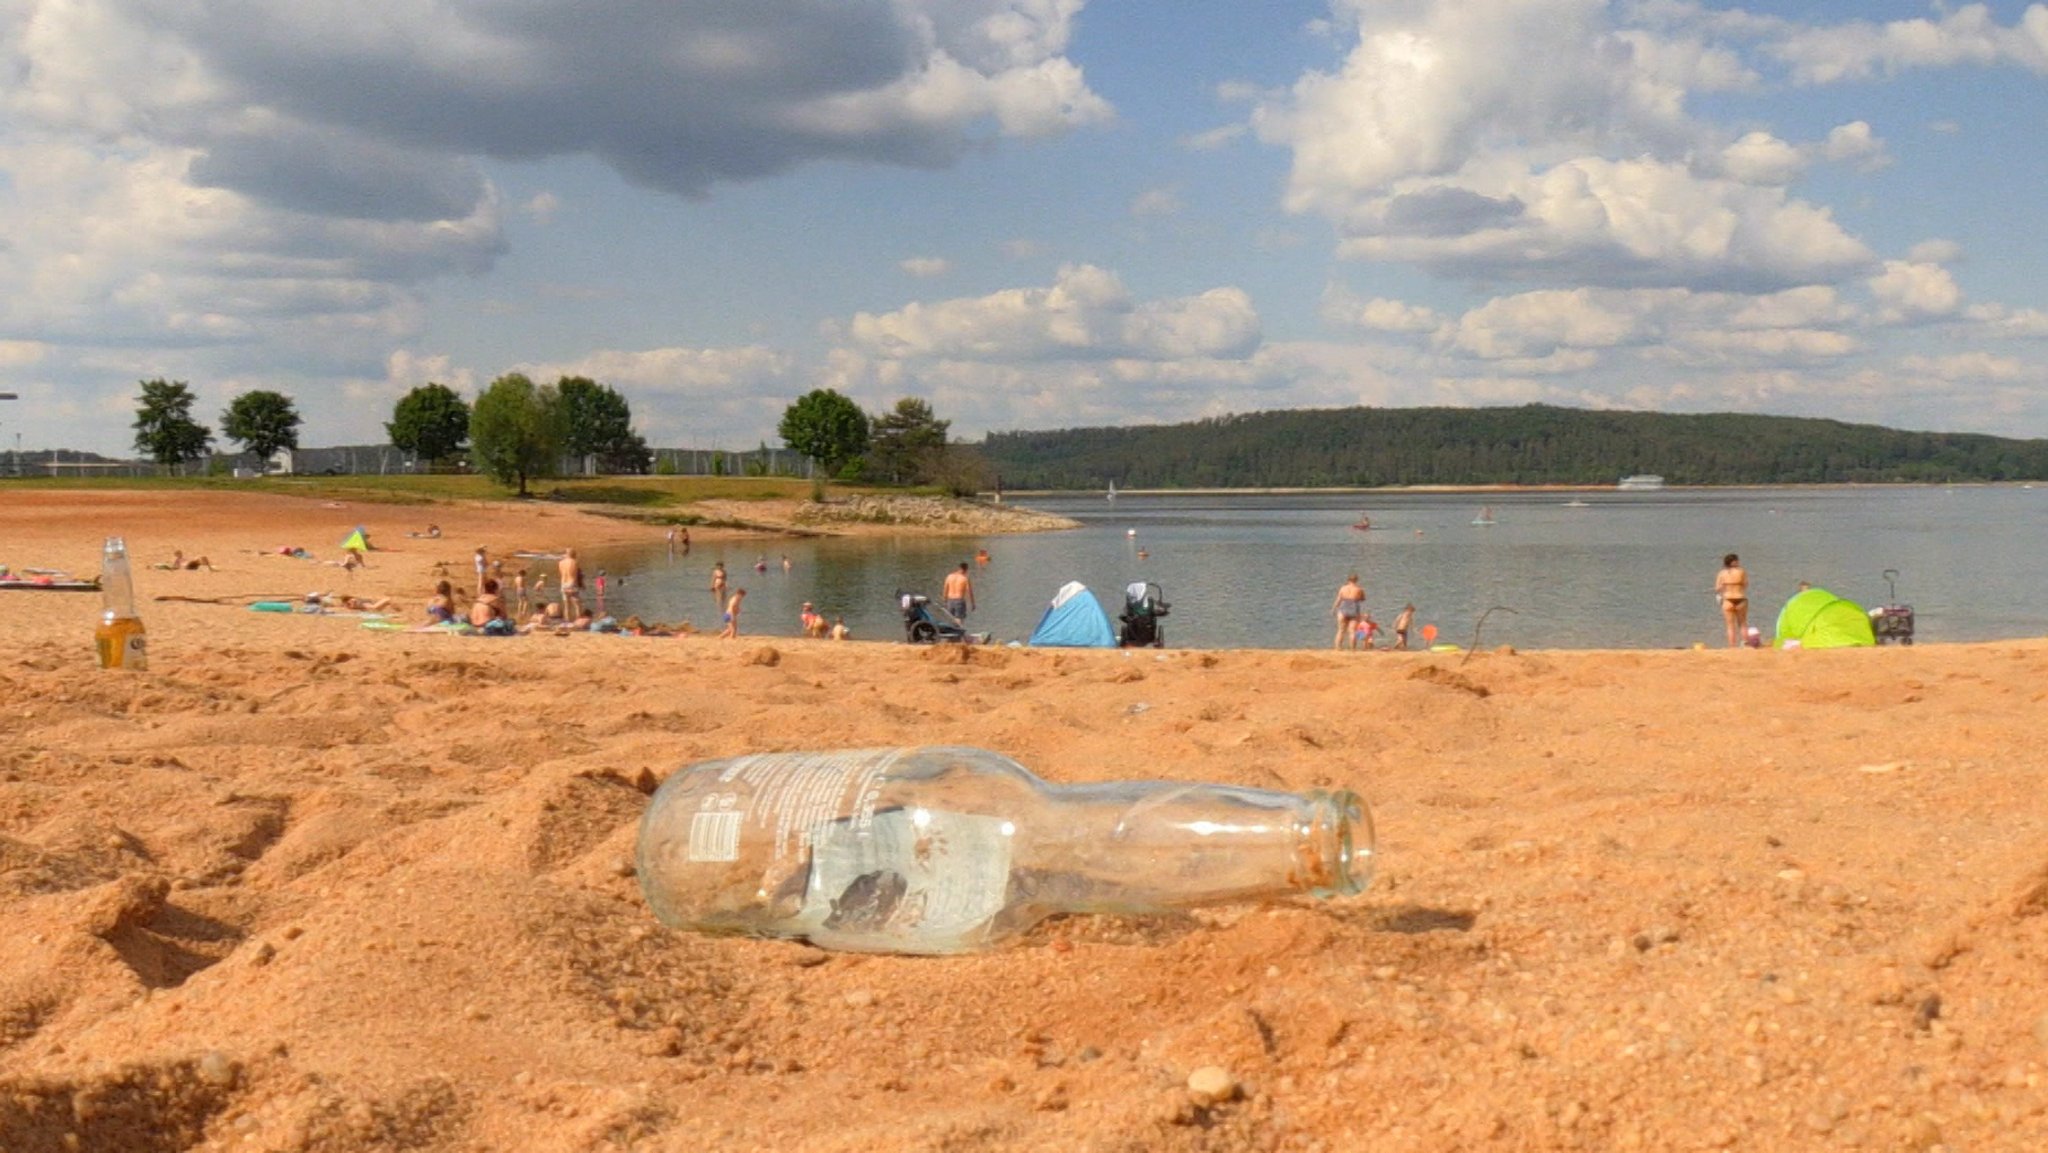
<point x="1356" y="628"/>
<point x="530" y="609"/>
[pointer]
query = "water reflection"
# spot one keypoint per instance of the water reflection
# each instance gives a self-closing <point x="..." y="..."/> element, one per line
<point x="1624" y="570"/>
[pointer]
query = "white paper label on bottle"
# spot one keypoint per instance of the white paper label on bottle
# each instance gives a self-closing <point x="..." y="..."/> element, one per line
<point x="715" y="836"/>
<point x="794" y="794"/>
<point x="910" y="872"/>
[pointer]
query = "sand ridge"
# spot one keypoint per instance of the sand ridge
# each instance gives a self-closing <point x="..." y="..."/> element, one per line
<point x="304" y="886"/>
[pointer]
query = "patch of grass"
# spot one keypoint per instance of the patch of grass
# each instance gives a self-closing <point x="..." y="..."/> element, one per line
<point x="628" y="492"/>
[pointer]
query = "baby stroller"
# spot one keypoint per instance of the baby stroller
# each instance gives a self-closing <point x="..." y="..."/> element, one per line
<point x="924" y="625"/>
<point x="1144" y="604"/>
<point x="1893" y="624"/>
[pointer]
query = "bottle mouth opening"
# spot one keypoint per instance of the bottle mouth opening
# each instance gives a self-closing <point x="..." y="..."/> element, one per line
<point x="1341" y="831"/>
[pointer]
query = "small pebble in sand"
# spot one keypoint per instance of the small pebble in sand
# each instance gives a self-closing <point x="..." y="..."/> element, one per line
<point x="1211" y="1084"/>
<point x="215" y="1068"/>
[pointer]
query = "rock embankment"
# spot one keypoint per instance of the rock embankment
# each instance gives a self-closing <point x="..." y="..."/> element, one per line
<point x="926" y="513"/>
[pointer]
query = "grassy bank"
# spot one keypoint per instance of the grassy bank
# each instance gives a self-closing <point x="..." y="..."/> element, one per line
<point x="647" y="493"/>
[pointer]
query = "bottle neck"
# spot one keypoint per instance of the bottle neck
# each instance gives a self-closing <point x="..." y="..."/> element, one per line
<point x="117" y="585"/>
<point x="1135" y="847"/>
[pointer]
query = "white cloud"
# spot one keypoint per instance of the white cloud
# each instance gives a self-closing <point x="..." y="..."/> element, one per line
<point x="257" y="193"/>
<point x="541" y="207"/>
<point x="1383" y="315"/>
<point x="1996" y="320"/>
<point x="1609" y="223"/>
<point x="925" y="267"/>
<point x="1972" y="366"/>
<point x="1156" y="202"/>
<point x="1535" y="324"/>
<point x="1854" y="142"/>
<point x="686" y="396"/>
<point x="1860" y="50"/>
<point x="1907" y="291"/>
<point x="1761" y="158"/>
<point x="1215" y="138"/>
<point x="1535" y="139"/>
<point x="1085" y="314"/>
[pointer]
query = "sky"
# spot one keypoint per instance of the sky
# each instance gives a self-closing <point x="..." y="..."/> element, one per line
<point x="1033" y="214"/>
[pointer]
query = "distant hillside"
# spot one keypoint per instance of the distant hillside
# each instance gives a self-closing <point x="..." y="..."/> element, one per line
<point x="1535" y="444"/>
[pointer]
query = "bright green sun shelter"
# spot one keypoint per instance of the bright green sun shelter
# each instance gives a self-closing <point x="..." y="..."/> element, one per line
<point x="1818" y="619"/>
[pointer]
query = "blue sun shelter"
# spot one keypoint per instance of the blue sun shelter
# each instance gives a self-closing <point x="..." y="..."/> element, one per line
<point x="1074" y="620"/>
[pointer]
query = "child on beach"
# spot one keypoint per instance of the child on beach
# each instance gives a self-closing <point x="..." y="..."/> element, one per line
<point x="732" y="614"/>
<point x="1402" y="624"/>
<point x="1368" y="629"/>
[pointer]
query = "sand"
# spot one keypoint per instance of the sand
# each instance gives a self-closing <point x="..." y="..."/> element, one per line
<point x="303" y="886"/>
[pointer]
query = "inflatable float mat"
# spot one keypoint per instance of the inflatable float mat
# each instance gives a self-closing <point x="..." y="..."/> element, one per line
<point x="273" y="607"/>
<point x="50" y="586"/>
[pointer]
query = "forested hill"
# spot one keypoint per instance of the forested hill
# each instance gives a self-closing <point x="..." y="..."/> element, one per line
<point x="1535" y="444"/>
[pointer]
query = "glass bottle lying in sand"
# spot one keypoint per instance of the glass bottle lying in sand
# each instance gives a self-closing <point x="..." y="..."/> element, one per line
<point x="949" y="850"/>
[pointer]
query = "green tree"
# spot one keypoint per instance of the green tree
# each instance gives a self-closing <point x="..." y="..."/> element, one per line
<point x="430" y="421"/>
<point x="515" y="430"/>
<point x="962" y="471"/>
<point x="262" y="422"/>
<point x="164" y="427"/>
<point x="827" y="427"/>
<point x="598" y="422"/>
<point x="907" y="444"/>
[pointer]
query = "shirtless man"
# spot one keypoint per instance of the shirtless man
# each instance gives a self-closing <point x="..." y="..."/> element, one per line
<point x="1731" y="587"/>
<point x="732" y="614"/>
<point x="572" y="584"/>
<point x="1349" y="606"/>
<point x="959" y="593"/>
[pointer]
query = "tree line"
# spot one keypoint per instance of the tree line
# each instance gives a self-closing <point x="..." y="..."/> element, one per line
<point x="517" y="431"/>
<point x="1528" y="445"/>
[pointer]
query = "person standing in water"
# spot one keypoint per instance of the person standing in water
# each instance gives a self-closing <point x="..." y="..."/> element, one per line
<point x="959" y="593"/>
<point x="1349" y="606"/>
<point x="1731" y="588"/>
<point x="718" y="580"/>
<point x="571" y="581"/>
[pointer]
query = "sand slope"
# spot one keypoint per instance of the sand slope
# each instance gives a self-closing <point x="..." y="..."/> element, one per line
<point x="308" y="887"/>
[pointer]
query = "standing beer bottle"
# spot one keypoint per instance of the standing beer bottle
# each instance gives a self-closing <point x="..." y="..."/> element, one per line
<point x="949" y="850"/>
<point x="120" y="635"/>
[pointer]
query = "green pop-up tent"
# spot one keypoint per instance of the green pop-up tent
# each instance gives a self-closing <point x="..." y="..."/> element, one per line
<point x="1818" y="619"/>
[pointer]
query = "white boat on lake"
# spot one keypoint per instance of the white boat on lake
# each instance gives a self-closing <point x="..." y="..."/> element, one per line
<point x="1643" y="482"/>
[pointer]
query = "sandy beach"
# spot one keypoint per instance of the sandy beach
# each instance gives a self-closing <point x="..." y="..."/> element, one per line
<point x="307" y="886"/>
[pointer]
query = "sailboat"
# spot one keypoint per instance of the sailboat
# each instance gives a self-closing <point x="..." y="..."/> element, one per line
<point x="1112" y="490"/>
<point x="1485" y="516"/>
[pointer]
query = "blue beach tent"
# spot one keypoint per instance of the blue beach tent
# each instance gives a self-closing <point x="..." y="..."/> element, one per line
<point x="1074" y="621"/>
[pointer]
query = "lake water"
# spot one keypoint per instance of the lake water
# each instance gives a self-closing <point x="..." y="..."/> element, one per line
<point x="1619" y="570"/>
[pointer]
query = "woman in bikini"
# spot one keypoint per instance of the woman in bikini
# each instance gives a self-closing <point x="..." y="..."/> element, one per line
<point x="1731" y="585"/>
